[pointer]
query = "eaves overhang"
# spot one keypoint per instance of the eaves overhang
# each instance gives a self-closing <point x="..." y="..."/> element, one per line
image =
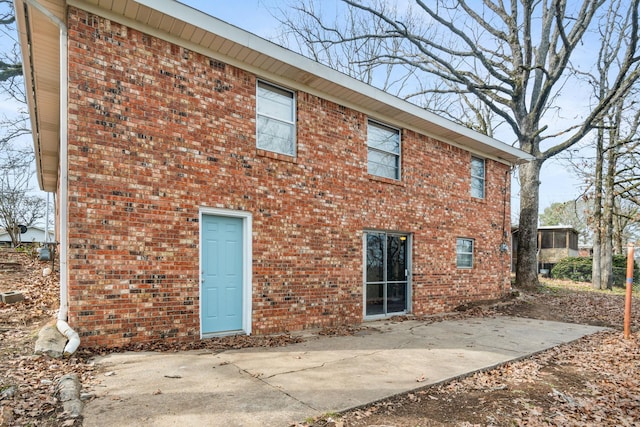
<point x="39" y="40"/>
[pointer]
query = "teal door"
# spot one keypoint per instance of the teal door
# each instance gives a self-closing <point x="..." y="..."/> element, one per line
<point x="222" y="282"/>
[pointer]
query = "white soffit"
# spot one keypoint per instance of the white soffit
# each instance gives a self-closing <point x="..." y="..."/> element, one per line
<point x="40" y="44"/>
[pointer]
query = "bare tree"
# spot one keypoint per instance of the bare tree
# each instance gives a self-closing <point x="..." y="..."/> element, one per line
<point x="515" y="59"/>
<point x="304" y="31"/>
<point x="628" y="155"/>
<point x="626" y="225"/>
<point x="618" y="181"/>
<point x="18" y="205"/>
<point x="371" y="60"/>
<point x="614" y="213"/>
<point x="11" y="88"/>
<point x="616" y="146"/>
<point x="10" y="65"/>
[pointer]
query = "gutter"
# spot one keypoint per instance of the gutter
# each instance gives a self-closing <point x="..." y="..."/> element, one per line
<point x="62" y="325"/>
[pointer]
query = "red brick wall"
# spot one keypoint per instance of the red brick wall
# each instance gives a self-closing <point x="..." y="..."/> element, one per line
<point x="157" y="131"/>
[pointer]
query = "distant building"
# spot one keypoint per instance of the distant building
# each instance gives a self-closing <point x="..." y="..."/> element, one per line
<point x="33" y="235"/>
<point x="585" y="251"/>
<point x="555" y="242"/>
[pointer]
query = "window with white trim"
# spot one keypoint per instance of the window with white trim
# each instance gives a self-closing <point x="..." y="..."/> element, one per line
<point x="477" y="177"/>
<point x="464" y="253"/>
<point x="276" y="119"/>
<point x="383" y="158"/>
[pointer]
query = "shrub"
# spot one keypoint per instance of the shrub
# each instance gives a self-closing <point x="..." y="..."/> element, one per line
<point x="579" y="269"/>
<point x="620" y="271"/>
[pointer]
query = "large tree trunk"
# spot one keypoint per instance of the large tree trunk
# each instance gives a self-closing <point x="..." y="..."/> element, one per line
<point x="527" y="256"/>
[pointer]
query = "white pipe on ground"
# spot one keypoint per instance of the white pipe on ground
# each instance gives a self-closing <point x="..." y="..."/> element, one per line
<point x="72" y="336"/>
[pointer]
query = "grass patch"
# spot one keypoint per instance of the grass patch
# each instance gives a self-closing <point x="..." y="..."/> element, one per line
<point x="558" y="286"/>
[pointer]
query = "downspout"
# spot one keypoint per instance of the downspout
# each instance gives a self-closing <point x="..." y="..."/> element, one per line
<point x="62" y="325"/>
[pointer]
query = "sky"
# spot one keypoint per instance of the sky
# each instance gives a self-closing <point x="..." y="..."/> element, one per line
<point x="558" y="183"/>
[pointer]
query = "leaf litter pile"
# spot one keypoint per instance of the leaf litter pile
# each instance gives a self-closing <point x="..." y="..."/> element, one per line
<point x="594" y="381"/>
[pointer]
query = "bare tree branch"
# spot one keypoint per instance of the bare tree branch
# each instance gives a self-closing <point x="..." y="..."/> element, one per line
<point x="515" y="60"/>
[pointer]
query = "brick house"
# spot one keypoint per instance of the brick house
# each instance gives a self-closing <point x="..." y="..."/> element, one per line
<point x="210" y="182"/>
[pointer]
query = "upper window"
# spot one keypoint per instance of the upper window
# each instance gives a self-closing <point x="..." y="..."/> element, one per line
<point x="464" y="253"/>
<point x="477" y="177"/>
<point x="276" y="112"/>
<point x="384" y="150"/>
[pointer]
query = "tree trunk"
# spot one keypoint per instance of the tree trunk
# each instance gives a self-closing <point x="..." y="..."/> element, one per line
<point x="14" y="234"/>
<point x="606" y="254"/>
<point x="607" y="220"/>
<point x="618" y="232"/>
<point x="596" y="275"/>
<point x="527" y="256"/>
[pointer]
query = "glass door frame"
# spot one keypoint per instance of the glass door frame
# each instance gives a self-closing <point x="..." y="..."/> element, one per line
<point x="386" y="282"/>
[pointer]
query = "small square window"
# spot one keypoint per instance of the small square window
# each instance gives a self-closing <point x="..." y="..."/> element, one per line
<point x="477" y="177"/>
<point x="464" y="253"/>
<point x="275" y="123"/>
<point x="383" y="158"/>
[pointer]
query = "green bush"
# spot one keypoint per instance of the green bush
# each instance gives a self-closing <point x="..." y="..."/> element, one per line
<point x="579" y="269"/>
<point x="620" y="271"/>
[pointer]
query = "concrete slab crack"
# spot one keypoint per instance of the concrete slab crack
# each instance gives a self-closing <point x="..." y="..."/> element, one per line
<point x="264" y="381"/>
<point x="308" y="368"/>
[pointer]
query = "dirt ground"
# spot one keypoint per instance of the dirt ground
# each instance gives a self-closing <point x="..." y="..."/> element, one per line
<point x="592" y="382"/>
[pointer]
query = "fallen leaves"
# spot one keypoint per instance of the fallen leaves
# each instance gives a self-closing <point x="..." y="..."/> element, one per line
<point x="574" y="303"/>
<point x="41" y="293"/>
<point x="28" y="382"/>
<point x="235" y="342"/>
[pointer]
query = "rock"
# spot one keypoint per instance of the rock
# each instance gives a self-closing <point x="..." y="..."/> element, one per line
<point x="87" y="396"/>
<point x="68" y="392"/>
<point x="9" y="392"/>
<point x="50" y="341"/>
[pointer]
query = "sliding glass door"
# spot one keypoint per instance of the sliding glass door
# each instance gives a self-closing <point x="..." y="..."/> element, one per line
<point x="386" y="273"/>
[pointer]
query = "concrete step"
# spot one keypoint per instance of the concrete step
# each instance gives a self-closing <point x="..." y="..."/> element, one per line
<point x="10" y="267"/>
